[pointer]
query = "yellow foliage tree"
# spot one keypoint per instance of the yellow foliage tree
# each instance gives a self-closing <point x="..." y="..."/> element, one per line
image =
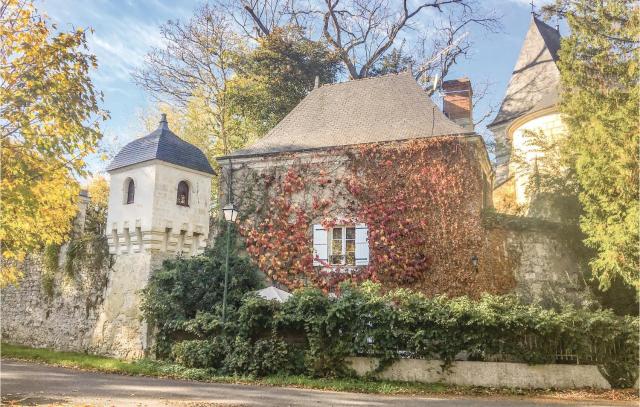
<point x="49" y="118"/>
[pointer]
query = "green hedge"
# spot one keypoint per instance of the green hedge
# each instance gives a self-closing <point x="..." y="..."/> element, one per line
<point x="313" y="334"/>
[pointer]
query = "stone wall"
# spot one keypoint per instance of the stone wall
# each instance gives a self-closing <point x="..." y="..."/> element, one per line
<point x="486" y="374"/>
<point x="62" y="319"/>
<point x="548" y="270"/>
<point x="546" y="264"/>
<point x="95" y="311"/>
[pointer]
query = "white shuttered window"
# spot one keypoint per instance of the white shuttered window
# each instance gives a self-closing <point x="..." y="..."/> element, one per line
<point x="320" y="243"/>
<point x="362" y="245"/>
<point x="341" y="245"/>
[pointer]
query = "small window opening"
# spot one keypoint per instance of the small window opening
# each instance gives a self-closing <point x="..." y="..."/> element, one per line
<point x="183" y="193"/>
<point x="131" y="191"/>
<point x="343" y="246"/>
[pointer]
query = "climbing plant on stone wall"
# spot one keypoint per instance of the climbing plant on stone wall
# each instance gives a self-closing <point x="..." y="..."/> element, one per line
<point x="421" y="201"/>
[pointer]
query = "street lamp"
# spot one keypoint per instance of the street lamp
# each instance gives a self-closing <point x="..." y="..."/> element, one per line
<point x="230" y="215"/>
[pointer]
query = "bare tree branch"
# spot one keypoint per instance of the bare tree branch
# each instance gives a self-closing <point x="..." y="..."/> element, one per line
<point x="195" y="62"/>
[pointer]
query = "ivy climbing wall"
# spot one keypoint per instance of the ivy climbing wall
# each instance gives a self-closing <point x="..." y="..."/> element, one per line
<point x="79" y="298"/>
<point x="91" y="310"/>
<point x="421" y="200"/>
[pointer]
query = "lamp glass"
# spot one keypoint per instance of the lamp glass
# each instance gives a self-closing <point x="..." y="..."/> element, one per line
<point x="230" y="213"/>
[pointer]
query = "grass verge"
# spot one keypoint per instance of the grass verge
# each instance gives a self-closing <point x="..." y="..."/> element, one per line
<point x="146" y="367"/>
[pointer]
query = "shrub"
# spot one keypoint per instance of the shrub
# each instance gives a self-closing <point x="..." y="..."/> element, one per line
<point x="313" y="333"/>
<point x="183" y="299"/>
<point x="201" y="353"/>
<point x="262" y="358"/>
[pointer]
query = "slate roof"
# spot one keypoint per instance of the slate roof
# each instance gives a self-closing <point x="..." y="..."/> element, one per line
<point x="535" y="75"/>
<point x="384" y="108"/>
<point x="162" y="144"/>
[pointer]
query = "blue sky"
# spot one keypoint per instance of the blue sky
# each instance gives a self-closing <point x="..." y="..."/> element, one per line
<point x="124" y="30"/>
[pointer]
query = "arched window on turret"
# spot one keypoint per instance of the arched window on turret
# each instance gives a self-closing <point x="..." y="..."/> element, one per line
<point x="130" y="189"/>
<point x="183" y="193"/>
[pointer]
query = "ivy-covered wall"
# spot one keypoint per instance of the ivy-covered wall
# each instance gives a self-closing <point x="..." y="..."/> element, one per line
<point x="58" y="313"/>
<point x="77" y="297"/>
<point x="425" y="204"/>
<point x="422" y="202"/>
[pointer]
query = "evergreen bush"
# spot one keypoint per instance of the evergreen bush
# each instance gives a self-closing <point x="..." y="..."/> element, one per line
<point x="313" y="333"/>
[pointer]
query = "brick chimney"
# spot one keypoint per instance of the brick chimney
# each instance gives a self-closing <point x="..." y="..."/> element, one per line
<point x="457" y="104"/>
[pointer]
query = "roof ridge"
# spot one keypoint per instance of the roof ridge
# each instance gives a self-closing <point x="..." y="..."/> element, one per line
<point x="538" y="21"/>
<point x="363" y="79"/>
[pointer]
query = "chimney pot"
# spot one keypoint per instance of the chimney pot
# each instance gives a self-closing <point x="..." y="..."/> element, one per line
<point x="457" y="102"/>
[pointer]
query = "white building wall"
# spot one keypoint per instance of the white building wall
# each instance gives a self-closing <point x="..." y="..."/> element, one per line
<point x="124" y="220"/>
<point x="183" y="228"/>
<point x="552" y="127"/>
<point x="155" y="222"/>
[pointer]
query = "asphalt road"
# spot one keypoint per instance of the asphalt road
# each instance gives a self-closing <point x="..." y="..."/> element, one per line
<point x="32" y="384"/>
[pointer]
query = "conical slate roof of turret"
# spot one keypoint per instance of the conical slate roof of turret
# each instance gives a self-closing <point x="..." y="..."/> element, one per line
<point x="162" y="144"/>
<point x="535" y="76"/>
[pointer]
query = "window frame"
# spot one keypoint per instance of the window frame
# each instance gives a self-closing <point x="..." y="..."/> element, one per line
<point x="187" y="195"/>
<point x="129" y="183"/>
<point x="343" y="246"/>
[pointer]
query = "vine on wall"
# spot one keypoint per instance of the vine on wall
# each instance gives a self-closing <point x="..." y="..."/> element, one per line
<point x="421" y="201"/>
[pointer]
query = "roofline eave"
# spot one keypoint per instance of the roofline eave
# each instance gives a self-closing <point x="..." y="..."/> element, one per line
<point x="151" y="160"/>
<point x="327" y="148"/>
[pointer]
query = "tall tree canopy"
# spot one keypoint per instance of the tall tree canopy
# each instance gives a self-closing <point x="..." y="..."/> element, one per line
<point x="250" y="62"/>
<point x="196" y="63"/>
<point x="600" y="100"/>
<point x="363" y="32"/>
<point x="275" y="76"/>
<point x="49" y="118"/>
<point x="240" y="87"/>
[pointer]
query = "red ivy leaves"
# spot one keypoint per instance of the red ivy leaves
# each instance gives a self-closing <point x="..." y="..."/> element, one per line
<point x="421" y="201"/>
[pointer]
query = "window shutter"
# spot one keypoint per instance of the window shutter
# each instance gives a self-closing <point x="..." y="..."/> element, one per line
<point x="362" y="245"/>
<point x="320" y="244"/>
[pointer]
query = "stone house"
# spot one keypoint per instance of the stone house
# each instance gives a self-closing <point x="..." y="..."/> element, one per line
<point x="300" y="190"/>
<point x="365" y="179"/>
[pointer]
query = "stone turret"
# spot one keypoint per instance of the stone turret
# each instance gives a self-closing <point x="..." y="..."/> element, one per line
<point x="159" y="196"/>
<point x="160" y="193"/>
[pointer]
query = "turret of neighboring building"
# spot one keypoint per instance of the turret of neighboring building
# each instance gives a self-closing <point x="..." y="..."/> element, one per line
<point x="160" y="193"/>
<point x="529" y="106"/>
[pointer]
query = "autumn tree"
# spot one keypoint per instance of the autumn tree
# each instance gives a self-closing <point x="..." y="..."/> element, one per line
<point x="196" y="64"/>
<point x="364" y="32"/>
<point x="49" y="116"/>
<point x="277" y="74"/>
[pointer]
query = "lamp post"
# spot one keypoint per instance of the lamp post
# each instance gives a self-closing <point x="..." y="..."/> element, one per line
<point x="230" y="215"/>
